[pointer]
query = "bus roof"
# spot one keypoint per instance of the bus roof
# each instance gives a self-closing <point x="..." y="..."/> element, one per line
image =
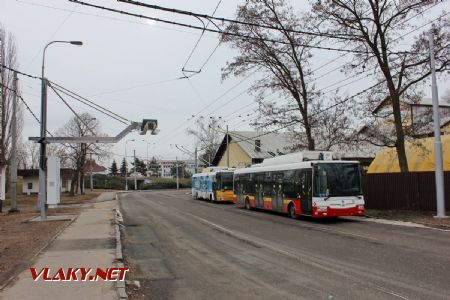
<point x="292" y="166"/>
<point x="209" y="173"/>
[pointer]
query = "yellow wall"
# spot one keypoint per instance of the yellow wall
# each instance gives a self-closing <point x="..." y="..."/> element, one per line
<point x="238" y="158"/>
<point x="419" y="153"/>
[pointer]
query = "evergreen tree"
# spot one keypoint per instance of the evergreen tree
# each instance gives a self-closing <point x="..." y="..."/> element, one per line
<point x="123" y="167"/>
<point x="113" y="170"/>
<point x="140" y="167"/>
<point x="153" y="167"/>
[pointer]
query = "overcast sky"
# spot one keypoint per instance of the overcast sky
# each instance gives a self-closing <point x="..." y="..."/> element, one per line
<point x="131" y="65"/>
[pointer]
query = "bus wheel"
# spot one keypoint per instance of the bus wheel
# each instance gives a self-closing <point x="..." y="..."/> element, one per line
<point x="291" y="211"/>
<point x="247" y="204"/>
<point x="211" y="198"/>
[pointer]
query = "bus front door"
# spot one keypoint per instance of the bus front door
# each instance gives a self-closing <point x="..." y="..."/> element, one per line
<point x="259" y="195"/>
<point x="277" y="199"/>
<point x="306" y="191"/>
<point x="259" y="190"/>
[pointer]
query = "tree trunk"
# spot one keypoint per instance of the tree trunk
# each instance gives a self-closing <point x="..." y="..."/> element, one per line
<point x="400" y="134"/>
<point x="400" y="143"/>
<point x="72" y="185"/>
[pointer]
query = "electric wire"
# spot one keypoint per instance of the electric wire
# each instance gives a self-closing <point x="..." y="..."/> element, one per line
<point x="221" y="19"/>
<point x="72" y="110"/>
<point x="26" y="105"/>
<point x="91" y="104"/>
<point x="183" y="69"/>
<point x="214" y="30"/>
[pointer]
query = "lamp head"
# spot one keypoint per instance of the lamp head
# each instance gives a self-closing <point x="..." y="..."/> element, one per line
<point x="78" y="43"/>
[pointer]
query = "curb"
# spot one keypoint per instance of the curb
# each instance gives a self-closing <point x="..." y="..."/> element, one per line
<point x="120" y="285"/>
<point x="39" y="252"/>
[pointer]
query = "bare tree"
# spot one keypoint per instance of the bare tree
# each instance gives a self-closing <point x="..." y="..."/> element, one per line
<point x="375" y="28"/>
<point x="8" y="58"/>
<point x="208" y="136"/>
<point x="284" y="65"/>
<point x="75" y="155"/>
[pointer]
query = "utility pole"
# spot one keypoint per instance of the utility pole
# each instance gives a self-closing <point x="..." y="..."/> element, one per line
<point x="14" y="147"/>
<point x="228" y="151"/>
<point x="91" y="180"/>
<point x="176" y="168"/>
<point x="42" y="200"/>
<point x="439" y="174"/>
<point x="135" y="170"/>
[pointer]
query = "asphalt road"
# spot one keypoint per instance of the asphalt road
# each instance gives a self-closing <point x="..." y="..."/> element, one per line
<point x="181" y="248"/>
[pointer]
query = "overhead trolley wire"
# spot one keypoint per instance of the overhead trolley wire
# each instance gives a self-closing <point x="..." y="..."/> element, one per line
<point x="221" y="19"/>
<point x="183" y="69"/>
<point x="213" y="30"/>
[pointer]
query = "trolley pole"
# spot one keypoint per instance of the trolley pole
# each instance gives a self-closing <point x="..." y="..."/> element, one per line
<point x="14" y="147"/>
<point x="440" y="200"/>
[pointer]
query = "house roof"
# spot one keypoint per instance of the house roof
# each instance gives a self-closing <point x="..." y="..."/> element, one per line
<point x="422" y="102"/>
<point x="96" y="168"/>
<point x="272" y="144"/>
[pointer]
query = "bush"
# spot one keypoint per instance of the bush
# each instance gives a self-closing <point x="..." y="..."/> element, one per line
<point x="167" y="183"/>
<point x="102" y="181"/>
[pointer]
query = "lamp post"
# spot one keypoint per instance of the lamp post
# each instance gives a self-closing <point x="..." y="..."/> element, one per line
<point x="126" y="164"/>
<point x="148" y="161"/>
<point x="43" y="134"/>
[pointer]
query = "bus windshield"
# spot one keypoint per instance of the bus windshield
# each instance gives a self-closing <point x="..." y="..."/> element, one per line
<point x="226" y="180"/>
<point x="336" y="179"/>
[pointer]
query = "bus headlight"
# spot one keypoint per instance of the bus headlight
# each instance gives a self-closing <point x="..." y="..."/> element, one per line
<point x="361" y="206"/>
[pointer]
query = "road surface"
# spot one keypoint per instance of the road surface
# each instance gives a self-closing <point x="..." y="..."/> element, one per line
<point x="181" y="248"/>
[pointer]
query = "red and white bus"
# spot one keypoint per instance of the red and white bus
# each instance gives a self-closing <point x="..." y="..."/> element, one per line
<point x="317" y="188"/>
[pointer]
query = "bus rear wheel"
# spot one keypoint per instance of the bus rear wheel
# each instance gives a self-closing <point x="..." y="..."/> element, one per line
<point x="291" y="211"/>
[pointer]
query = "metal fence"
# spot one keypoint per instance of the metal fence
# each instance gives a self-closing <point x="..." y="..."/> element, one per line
<point x="404" y="191"/>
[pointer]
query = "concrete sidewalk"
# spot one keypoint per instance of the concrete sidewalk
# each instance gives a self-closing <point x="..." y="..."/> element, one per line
<point x="89" y="242"/>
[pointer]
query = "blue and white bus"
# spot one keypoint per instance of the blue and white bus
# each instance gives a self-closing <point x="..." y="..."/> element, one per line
<point x="213" y="184"/>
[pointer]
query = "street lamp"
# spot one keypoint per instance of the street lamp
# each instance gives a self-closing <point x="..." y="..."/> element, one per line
<point x="126" y="164"/>
<point x="42" y="160"/>
<point x="148" y="143"/>
<point x="148" y="162"/>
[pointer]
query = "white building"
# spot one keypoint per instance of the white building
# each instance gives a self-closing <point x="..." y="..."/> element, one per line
<point x="31" y="180"/>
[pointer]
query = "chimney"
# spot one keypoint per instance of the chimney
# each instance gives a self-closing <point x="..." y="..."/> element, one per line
<point x="258" y="145"/>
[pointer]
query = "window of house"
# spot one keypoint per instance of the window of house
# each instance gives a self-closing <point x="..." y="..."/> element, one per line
<point x="30" y="185"/>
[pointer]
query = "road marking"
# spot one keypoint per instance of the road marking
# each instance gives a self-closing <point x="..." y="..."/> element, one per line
<point x="318" y="262"/>
<point x="247" y="239"/>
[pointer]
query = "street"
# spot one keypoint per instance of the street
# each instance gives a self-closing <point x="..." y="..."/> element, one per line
<point x="181" y="248"/>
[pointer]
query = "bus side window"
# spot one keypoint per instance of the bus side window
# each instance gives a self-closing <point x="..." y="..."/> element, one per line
<point x="300" y="178"/>
<point x="288" y="184"/>
<point x="268" y="184"/>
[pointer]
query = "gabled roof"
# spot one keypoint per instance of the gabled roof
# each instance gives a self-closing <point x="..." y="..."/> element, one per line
<point x="96" y="168"/>
<point x="272" y="144"/>
<point x="422" y="102"/>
